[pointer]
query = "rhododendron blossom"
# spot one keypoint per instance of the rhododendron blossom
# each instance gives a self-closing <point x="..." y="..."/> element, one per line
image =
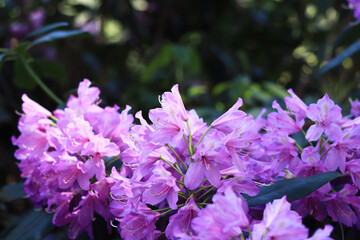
<point x="178" y="177"/>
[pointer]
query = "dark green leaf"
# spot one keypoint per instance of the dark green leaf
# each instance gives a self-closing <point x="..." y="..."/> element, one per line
<point x="2" y="56"/>
<point x="12" y="192"/>
<point x="22" y="48"/>
<point x="61" y="34"/>
<point x="355" y="47"/>
<point x="22" y="79"/>
<point x="34" y="225"/>
<point x="49" y="69"/>
<point x="47" y="28"/>
<point x="181" y="54"/>
<point x="294" y="189"/>
<point x="348" y="35"/>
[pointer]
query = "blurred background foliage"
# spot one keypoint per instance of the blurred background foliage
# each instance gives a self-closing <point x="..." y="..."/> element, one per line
<point x="137" y="49"/>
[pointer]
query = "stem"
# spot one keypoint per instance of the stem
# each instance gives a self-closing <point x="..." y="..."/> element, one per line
<point x="181" y="161"/>
<point x="327" y="140"/>
<point x="82" y="157"/>
<point x="320" y="142"/>
<point x="159" y="210"/>
<point x="191" y="146"/>
<point x="266" y="230"/>
<point x="241" y="236"/>
<point x="37" y="79"/>
<point x="302" y="130"/>
<point x="250" y="235"/>
<point x="298" y="146"/>
<point x="111" y="160"/>
<point x="164" y="213"/>
<point x="187" y="145"/>
<point x="325" y="152"/>
<point x="177" y="166"/>
<point x="182" y="195"/>
<point x="201" y="188"/>
<point x="203" y="203"/>
<point x="202" y="137"/>
<point x="171" y="165"/>
<point x="206" y="193"/>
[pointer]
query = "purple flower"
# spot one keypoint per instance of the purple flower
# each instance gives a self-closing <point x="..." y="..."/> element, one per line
<point x="322" y="234"/>
<point x="37" y="18"/>
<point x="228" y="121"/>
<point x="325" y="114"/>
<point x="281" y="120"/>
<point x="162" y="186"/>
<point x="279" y="222"/>
<point x="343" y="148"/>
<point x="223" y="219"/>
<point x="353" y="168"/>
<point x="296" y="106"/>
<point x="179" y="226"/>
<point x="355" y="4"/>
<point x="208" y="159"/>
<point x="139" y="223"/>
<point x="338" y="205"/>
<point x="355" y="108"/>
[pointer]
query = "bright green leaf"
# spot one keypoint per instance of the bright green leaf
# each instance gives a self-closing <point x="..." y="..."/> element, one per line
<point x="61" y="34"/>
<point x="294" y="189"/>
<point x="47" y="28"/>
<point x="355" y="47"/>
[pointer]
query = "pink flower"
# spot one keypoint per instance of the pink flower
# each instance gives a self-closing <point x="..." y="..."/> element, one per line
<point x="223" y="219"/>
<point x="228" y="121"/>
<point x="162" y="186"/>
<point x="139" y="223"/>
<point x="279" y="222"/>
<point x="296" y="106"/>
<point x="325" y="114"/>
<point x="179" y="226"/>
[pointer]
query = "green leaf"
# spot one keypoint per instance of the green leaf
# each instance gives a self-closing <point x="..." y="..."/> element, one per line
<point x="349" y="34"/>
<point x="181" y="54"/>
<point x="12" y="192"/>
<point x="60" y="34"/>
<point x="34" y="225"/>
<point x="47" y="28"/>
<point x="2" y="56"/>
<point x="22" y="79"/>
<point x="162" y="59"/>
<point x="294" y="189"/>
<point x="49" y="69"/>
<point x="355" y="47"/>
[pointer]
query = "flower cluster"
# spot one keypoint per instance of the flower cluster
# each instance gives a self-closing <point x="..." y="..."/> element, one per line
<point x="180" y="178"/>
<point x="63" y="156"/>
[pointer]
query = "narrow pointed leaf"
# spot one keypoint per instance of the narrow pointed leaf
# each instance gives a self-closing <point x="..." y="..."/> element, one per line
<point x="34" y="225"/>
<point x="12" y="192"/>
<point x="355" y="47"/>
<point x="294" y="189"/>
<point x="348" y="35"/>
<point x="61" y="34"/>
<point x="47" y="28"/>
